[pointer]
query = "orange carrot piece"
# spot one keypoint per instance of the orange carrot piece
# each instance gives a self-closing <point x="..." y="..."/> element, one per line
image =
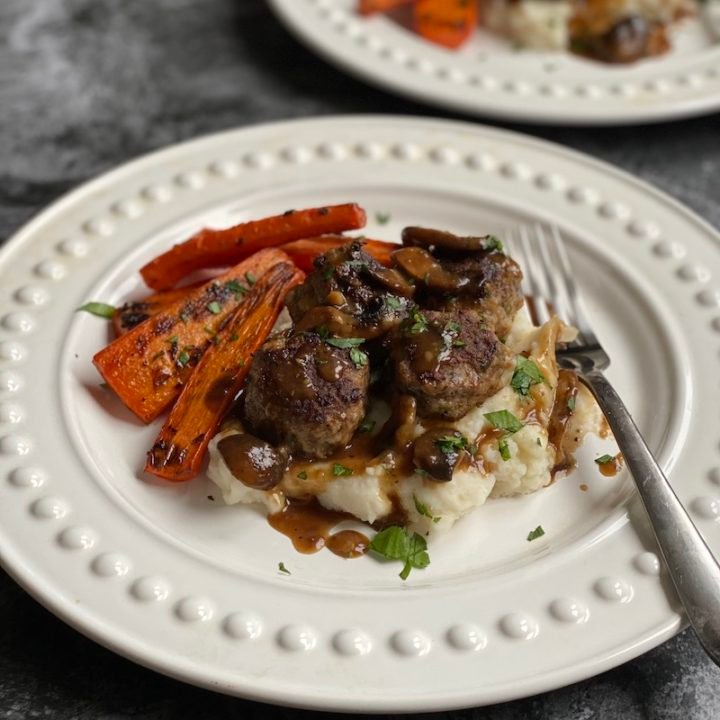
<point x="368" y="7"/>
<point x="304" y="252"/>
<point x="180" y="447"/>
<point x="131" y="314"/>
<point x="220" y="248"/>
<point x="148" y="366"/>
<point x="445" y="22"/>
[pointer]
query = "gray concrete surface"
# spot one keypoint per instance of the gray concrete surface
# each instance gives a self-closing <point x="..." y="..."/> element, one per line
<point x="88" y="84"/>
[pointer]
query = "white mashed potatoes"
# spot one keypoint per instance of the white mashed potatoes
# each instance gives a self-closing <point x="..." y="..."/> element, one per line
<point x="368" y="495"/>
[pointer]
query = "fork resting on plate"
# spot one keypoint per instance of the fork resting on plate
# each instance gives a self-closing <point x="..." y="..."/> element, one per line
<point x="550" y="283"/>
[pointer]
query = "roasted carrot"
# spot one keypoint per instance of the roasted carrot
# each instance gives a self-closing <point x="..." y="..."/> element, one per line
<point x="304" y="252"/>
<point x="445" y="22"/>
<point x="181" y="445"/>
<point x="126" y="317"/>
<point x="368" y="7"/>
<point x="148" y="366"/>
<point x="220" y="248"/>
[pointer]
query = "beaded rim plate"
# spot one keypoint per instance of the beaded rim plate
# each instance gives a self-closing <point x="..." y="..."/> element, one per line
<point x="173" y="580"/>
<point x="488" y="78"/>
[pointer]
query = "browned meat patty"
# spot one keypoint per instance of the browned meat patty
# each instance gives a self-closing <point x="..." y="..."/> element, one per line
<point x="350" y="294"/>
<point x="306" y="394"/>
<point x="448" y="361"/>
<point x="453" y="272"/>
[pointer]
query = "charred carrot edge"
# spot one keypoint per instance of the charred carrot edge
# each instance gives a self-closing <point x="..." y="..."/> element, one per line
<point x="180" y="447"/>
<point x="445" y="22"/>
<point x="131" y="314"/>
<point x="148" y="366"/>
<point x="220" y="248"/>
<point x="304" y="252"/>
<point x="369" y="7"/>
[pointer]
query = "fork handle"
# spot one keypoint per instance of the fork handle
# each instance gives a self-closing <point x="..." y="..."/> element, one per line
<point x="692" y="567"/>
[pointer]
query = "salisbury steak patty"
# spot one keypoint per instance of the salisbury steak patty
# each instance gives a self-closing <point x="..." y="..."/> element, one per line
<point x="306" y="394"/>
<point x="448" y="361"/>
<point x="350" y="294"/>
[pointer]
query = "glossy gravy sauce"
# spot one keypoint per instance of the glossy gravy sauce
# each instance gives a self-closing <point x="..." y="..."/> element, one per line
<point x="310" y="529"/>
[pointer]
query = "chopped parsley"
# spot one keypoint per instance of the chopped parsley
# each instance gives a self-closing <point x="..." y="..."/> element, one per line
<point x="571" y="403"/>
<point x="358" y="357"/>
<point x="383" y="218"/>
<point x="504" y="420"/>
<point x="183" y="358"/>
<point x="493" y="243"/>
<point x="234" y="337"/>
<point x="367" y="426"/>
<point x="536" y="533"/>
<point x="283" y="569"/>
<point x="526" y="374"/>
<point x="250" y="279"/>
<point x="416" y="323"/>
<point x="423" y="509"/>
<point x="344" y="342"/>
<point x="393" y="303"/>
<point x="450" y="444"/>
<point x="302" y="475"/>
<point x="339" y="470"/>
<point x="604" y="459"/>
<point x="396" y="543"/>
<point x="214" y="307"/>
<point x="236" y="288"/>
<point x="327" y="273"/>
<point x="504" y="448"/>
<point x="98" y="309"/>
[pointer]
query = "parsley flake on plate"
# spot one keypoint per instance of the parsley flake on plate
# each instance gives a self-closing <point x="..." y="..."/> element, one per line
<point x="424" y="510"/>
<point x="396" y="543"/>
<point x="383" y="218"/>
<point x="283" y="569"/>
<point x="536" y="533"/>
<point x="98" y="309"/>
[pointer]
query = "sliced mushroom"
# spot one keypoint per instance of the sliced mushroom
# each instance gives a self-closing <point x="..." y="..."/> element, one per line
<point x="431" y="239"/>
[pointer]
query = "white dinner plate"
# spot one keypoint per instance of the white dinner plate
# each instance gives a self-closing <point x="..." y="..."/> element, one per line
<point x="170" y="578"/>
<point x="488" y="77"/>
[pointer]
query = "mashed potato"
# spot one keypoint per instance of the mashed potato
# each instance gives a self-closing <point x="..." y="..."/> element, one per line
<point x="429" y="506"/>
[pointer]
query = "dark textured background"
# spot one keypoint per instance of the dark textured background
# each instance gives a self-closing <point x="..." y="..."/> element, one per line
<point x="88" y="84"/>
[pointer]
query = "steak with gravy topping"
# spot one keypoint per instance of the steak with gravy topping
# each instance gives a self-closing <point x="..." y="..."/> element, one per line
<point x="448" y="361"/>
<point x="306" y="394"/>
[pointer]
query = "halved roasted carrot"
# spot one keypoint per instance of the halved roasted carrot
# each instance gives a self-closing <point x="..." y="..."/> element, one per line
<point x="445" y="22"/>
<point x="131" y="314"/>
<point x="304" y="252"/>
<point x="220" y="248"/>
<point x="181" y="445"/>
<point x="368" y="7"/>
<point x="148" y="366"/>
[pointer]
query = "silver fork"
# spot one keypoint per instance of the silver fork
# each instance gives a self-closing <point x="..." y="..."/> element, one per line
<point x="550" y="282"/>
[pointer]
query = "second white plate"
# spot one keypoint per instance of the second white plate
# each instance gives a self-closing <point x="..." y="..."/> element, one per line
<point x="487" y="77"/>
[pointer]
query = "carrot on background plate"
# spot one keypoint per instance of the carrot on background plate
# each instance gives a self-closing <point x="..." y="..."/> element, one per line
<point x="221" y="248"/>
<point x="148" y="366"/>
<point x="304" y="252"/>
<point x="369" y="7"/>
<point x="181" y="445"/>
<point x="445" y="22"/>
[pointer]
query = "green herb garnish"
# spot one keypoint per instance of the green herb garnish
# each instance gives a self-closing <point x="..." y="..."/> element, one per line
<point x="383" y="218"/>
<point x="236" y="288"/>
<point x="452" y="443"/>
<point x="424" y="510"/>
<point x="250" y="279"/>
<point x="416" y="323"/>
<point x="604" y="459"/>
<point x="183" y="359"/>
<point x="536" y="533"/>
<point x="98" y="309"/>
<point x="396" y="543"/>
<point x="302" y="475"/>
<point x="214" y="307"/>
<point x="367" y="426"/>
<point x="358" y="357"/>
<point x="571" y="403"/>
<point x="504" y="420"/>
<point x="393" y="303"/>
<point x="344" y="343"/>
<point x="339" y="470"/>
<point x="234" y="337"/>
<point x="504" y="449"/>
<point x="283" y="569"/>
<point x="526" y="374"/>
<point x="493" y="243"/>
